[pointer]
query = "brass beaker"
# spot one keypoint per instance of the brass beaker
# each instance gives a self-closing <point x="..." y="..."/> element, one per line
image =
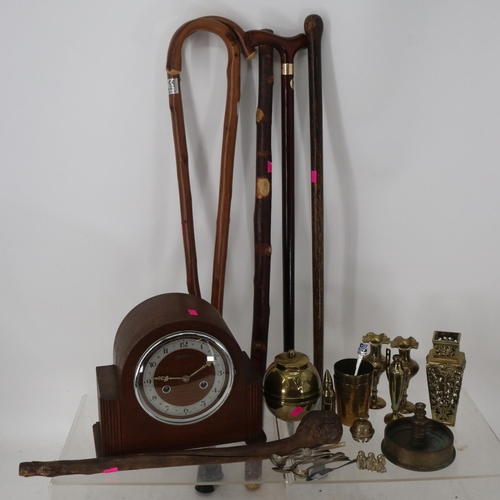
<point x="352" y="391"/>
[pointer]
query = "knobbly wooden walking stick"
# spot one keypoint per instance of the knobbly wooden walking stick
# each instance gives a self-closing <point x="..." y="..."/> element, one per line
<point x="287" y="48"/>
<point x="316" y="428"/>
<point x="262" y="211"/>
<point x="313" y="28"/>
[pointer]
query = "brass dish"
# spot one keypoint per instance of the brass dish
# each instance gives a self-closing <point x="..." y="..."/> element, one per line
<point x="418" y="443"/>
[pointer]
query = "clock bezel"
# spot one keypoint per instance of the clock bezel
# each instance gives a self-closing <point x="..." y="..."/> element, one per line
<point x="211" y="409"/>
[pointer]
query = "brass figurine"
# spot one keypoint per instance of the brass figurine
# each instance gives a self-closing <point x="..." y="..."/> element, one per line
<point x="379" y="363"/>
<point x="410" y="367"/>
<point x="369" y="462"/>
<point x="445" y="368"/>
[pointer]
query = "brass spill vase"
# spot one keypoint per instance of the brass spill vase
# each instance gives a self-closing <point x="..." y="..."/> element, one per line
<point x="396" y="375"/>
<point x="379" y="362"/>
<point x="445" y="369"/>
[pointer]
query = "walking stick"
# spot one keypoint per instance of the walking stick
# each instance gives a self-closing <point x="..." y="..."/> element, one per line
<point x="174" y="66"/>
<point x="287" y="48"/>
<point x="234" y="38"/>
<point x="262" y="211"/>
<point x="313" y="27"/>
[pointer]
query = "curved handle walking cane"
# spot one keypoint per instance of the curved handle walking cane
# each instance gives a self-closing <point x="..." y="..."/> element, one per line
<point x="234" y="38"/>
<point x="287" y="47"/>
<point x="313" y="28"/>
<point x="174" y="65"/>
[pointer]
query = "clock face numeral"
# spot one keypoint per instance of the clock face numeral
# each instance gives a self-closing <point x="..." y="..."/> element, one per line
<point x="184" y="377"/>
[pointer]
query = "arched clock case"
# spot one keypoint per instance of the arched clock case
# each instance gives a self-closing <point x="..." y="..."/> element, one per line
<point x="178" y="380"/>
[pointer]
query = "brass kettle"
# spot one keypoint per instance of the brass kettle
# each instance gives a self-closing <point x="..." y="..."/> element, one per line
<point x="292" y="386"/>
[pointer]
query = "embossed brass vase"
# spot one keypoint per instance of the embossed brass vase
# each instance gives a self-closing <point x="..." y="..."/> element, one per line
<point x="445" y="368"/>
<point x="379" y="363"/>
<point x="292" y="386"/>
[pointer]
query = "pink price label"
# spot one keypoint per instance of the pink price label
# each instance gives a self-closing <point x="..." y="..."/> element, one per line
<point x="297" y="411"/>
<point x="110" y="471"/>
<point x="193" y="312"/>
<point x="269" y="167"/>
<point x="314" y="176"/>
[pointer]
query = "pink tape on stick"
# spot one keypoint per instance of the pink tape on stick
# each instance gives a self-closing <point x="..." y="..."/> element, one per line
<point x="314" y="176"/>
<point x="269" y="167"/>
<point x="110" y="471"/>
<point x="193" y="312"/>
<point x="297" y="411"/>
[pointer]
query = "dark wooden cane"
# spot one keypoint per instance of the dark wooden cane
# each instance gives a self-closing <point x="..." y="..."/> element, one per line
<point x="262" y="211"/>
<point x="287" y="47"/>
<point x="174" y="66"/>
<point x="313" y="28"/>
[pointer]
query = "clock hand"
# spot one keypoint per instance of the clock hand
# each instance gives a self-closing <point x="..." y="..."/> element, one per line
<point x="184" y="378"/>
<point x="166" y="378"/>
<point x="209" y="363"/>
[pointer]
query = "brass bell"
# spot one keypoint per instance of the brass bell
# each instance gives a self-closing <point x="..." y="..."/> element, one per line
<point x="292" y="386"/>
<point x="362" y="429"/>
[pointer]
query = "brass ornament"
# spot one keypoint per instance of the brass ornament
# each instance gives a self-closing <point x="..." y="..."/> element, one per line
<point x="445" y="367"/>
<point x="418" y="443"/>
<point x="362" y="429"/>
<point x="396" y="376"/>
<point x="404" y="346"/>
<point x="292" y="386"/>
<point x="379" y="362"/>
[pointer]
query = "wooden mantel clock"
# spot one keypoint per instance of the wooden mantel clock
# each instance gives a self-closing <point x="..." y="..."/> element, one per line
<point x="179" y="380"/>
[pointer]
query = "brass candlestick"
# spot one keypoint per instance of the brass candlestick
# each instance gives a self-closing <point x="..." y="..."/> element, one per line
<point x="410" y="367"/>
<point x="445" y="368"/>
<point x="379" y="362"/>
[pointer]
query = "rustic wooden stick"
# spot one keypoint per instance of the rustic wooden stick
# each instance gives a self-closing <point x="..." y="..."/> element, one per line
<point x="174" y="66"/>
<point x="287" y="47"/>
<point x="262" y="211"/>
<point x="313" y="27"/>
<point x="315" y="429"/>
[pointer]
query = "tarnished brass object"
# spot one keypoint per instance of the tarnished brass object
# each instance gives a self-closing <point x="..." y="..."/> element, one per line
<point x="404" y="346"/>
<point x="362" y="429"/>
<point x="445" y="368"/>
<point x="418" y="443"/>
<point x="352" y="392"/>
<point x="396" y="376"/>
<point x="292" y="386"/>
<point x="370" y="462"/>
<point x="328" y="394"/>
<point x="379" y="362"/>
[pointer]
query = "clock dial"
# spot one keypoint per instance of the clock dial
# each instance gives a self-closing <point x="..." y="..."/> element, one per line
<point x="184" y="377"/>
